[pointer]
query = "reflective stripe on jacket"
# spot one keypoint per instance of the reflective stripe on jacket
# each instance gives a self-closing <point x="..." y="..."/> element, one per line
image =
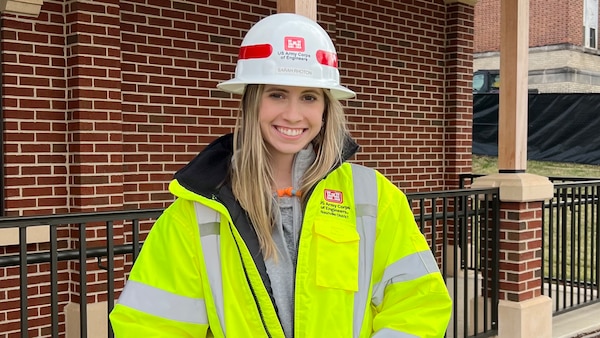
<point x="363" y="270"/>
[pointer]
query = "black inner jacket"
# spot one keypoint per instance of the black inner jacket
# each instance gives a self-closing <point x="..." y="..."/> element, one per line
<point x="208" y="174"/>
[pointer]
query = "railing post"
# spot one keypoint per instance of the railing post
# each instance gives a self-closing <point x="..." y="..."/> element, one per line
<point x="522" y="311"/>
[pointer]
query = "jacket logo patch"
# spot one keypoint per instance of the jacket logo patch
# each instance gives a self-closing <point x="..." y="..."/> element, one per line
<point x="332" y="204"/>
<point x="334" y="196"/>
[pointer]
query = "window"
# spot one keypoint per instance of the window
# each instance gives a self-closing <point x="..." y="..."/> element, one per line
<point x="590" y="24"/>
<point x="486" y="81"/>
<point x="478" y="82"/>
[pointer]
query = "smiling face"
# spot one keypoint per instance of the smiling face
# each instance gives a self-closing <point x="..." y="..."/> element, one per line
<point x="290" y="117"/>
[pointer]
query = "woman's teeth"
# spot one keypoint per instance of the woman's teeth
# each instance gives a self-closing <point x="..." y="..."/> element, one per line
<point x="290" y="132"/>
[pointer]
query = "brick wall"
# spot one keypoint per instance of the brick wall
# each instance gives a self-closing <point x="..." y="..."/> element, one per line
<point x="94" y="121"/>
<point x="487" y="26"/>
<point x="551" y="22"/>
<point x="556" y="22"/>
<point x="558" y="61"/>
<point x="104" y="100"/>
<point x="393" y="56"/>
<point x="34" y="111"/>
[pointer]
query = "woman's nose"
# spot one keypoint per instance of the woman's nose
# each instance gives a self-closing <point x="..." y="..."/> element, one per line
<point x="293" y="111"/>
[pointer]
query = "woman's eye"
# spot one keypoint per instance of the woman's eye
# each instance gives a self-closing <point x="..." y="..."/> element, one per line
<point x="276" y="95"/>
<point x="310" y="98"/>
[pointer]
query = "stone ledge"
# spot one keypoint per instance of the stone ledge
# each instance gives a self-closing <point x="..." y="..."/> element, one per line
<point x="21" y="7"/>
<point x="37" y="234"/>
<point x="97" y="319"/>
<point x="466" y="2"/>
<point x="518" y="187"/>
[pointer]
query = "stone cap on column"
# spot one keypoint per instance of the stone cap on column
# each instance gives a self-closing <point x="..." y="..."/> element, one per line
<point x="517" y="187"/>
<point x="466" y="2"/>
<point x="21" y="7"/>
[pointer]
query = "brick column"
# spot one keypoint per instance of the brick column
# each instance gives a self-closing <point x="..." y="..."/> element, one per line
<point x="522" y="311"/>
<point x="94" y="120"/>
<point x="95" y="146"/>
<point x="460" y="18"/>
<point x="520" y="250"/>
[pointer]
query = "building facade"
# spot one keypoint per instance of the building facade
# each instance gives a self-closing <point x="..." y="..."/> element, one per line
<point x="563" y="44"/>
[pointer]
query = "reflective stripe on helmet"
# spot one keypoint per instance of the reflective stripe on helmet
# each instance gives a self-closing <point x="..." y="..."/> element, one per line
<point x="164" y="304"/>
<point x="327" y="58"/>
<point x="209" y="226"/>
<point x="255" y="51"/>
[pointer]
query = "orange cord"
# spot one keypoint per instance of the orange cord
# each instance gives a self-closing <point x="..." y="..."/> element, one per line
<point x="289" y="191"/>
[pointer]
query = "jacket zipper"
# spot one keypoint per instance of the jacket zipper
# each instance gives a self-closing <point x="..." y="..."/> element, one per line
<point x="262" y="319"/>
<point x="260" y="312"/>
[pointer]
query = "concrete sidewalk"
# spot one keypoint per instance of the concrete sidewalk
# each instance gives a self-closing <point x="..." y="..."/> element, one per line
<point x="577" y="323"/>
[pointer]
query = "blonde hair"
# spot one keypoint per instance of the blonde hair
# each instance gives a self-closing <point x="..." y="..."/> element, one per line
<point x="251" y="174"/>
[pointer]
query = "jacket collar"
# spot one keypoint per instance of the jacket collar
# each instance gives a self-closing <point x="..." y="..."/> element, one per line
<point x="209" y="170"/>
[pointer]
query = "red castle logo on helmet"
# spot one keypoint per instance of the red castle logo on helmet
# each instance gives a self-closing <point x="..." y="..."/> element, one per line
<point x="293" y="44"/>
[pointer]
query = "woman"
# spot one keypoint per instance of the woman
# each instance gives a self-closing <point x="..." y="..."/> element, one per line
<point x="273" y="233"/>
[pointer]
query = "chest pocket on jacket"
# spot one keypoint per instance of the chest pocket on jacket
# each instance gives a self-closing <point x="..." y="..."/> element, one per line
<point x="337" y="254"/>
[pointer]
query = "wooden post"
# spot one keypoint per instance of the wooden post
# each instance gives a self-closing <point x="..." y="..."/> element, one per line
<point x="512" y="120"/>
<point x="308" y="8"/>
<point x="522" y="310"/>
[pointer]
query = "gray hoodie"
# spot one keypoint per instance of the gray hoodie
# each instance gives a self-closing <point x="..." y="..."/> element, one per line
<point x="286" y="234"/>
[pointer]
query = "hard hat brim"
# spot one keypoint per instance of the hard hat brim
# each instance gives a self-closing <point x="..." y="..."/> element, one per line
<point x="235" y="86"/>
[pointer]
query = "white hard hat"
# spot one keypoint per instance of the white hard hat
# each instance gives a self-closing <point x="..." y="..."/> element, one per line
<point x="287" y="49"/>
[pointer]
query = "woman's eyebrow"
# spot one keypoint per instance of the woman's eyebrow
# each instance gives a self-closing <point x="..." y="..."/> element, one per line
<point x="314" y="92"/>
<point x="276" y="89"/>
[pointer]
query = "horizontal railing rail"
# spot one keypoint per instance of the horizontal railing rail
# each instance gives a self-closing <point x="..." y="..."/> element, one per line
<point x="65" y="255"/>
<point x="449" y="219"/>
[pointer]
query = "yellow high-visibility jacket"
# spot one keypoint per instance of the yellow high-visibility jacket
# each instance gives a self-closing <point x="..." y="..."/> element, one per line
<point x="364" y="269"/>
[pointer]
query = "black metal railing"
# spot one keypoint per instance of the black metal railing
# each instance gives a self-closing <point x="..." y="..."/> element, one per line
<point x="31" y="257"/>
<point x="462" y="229"/>
<point x="463" y="220"/>
<point x="570" y="242"/>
